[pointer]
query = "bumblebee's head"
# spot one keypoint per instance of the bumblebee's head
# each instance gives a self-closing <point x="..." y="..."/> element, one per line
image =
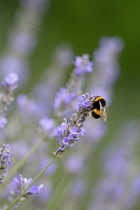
<point x="98" y="109"/>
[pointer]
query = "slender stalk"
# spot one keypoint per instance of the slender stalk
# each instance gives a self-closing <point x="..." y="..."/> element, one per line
<point x="62" y="196"/>
<point x="59" y="188"/>
<point x="61" y="185"/>
<point x="41" y="172"/>
<point x="22" y="161"/>
<point x="35" y="179"/>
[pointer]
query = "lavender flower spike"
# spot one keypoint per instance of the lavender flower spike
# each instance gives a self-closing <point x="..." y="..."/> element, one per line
<point x="6" y="96"/>
<point x="10" y="82"/>
<point x="69" y="132"/>
<point x="67" y="98"/>
<point x="4" y="160"/>
<point x="19" y="185"/>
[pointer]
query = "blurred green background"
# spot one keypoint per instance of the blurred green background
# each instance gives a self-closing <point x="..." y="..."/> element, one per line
<point x="81" y="23"/>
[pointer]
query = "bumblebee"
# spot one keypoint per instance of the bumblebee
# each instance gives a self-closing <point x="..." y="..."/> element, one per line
<point x="98" y="108"/>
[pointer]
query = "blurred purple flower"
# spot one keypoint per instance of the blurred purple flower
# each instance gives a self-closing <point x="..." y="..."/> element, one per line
<point x="28" y="108"/>
<point x="17" y="66"/>
<point x="6" y="97"/>
<point x="67" y="98"/>
<point x="10" y="83"/>
<point x="75" y="163"/>
<point x="22" y="41"/>
<point x="47" y="126"/>
<point x="3" y="122"/>
<point x="63" y="55"/>
<point x="135" y="192"/>
<point x="19" y="185"/>
<point x="120" y="185"/>
<point x="46" y="191"/>
<point x="19" y="153"/>
<point x="11" y="79"/>
<point x="83" y="64"/>
<point x="78" y="188"/>
<point x="4" y="160"/>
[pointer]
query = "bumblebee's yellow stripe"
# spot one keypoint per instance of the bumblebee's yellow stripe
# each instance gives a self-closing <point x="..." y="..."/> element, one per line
<point x="97" y="111"/>
<point x="97" y="99"/>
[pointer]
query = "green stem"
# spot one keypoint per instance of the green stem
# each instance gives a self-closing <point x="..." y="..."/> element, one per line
<point x="62" y="196"/>
<point x="35" y="179"/>
<point x="22" y="161"/>
<point x="59" y="188"/>
<point x="41" y="172"/>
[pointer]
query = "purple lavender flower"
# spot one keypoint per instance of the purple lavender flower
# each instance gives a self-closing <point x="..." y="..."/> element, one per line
<point x="33" y="190"/>
<point x="11" y="79"/>
<point x="83" y="64"/>
<point x="6" y="97"/>
<point x="67" y="98"/>
<point x="4" y="160"/>
<point x="69" y="132"/>
<point x="10" y="82"/>
<point x="19" y="185"/>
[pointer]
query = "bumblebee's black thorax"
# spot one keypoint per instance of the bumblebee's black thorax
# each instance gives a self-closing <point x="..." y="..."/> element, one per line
<point x="96" y="104"/>
<point x="97" y="101"/>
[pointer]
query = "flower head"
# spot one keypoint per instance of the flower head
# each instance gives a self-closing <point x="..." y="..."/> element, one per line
<point x="20" y="184"/>
<point x="83" y="65"/>
<point x="69" y="132"/>
<point x="11" y="79"/>
<point x="10" y="82"/>
<point x="6" y="96"/>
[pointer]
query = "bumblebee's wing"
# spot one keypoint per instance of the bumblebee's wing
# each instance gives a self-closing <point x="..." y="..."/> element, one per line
<point x="103" y="112"/>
